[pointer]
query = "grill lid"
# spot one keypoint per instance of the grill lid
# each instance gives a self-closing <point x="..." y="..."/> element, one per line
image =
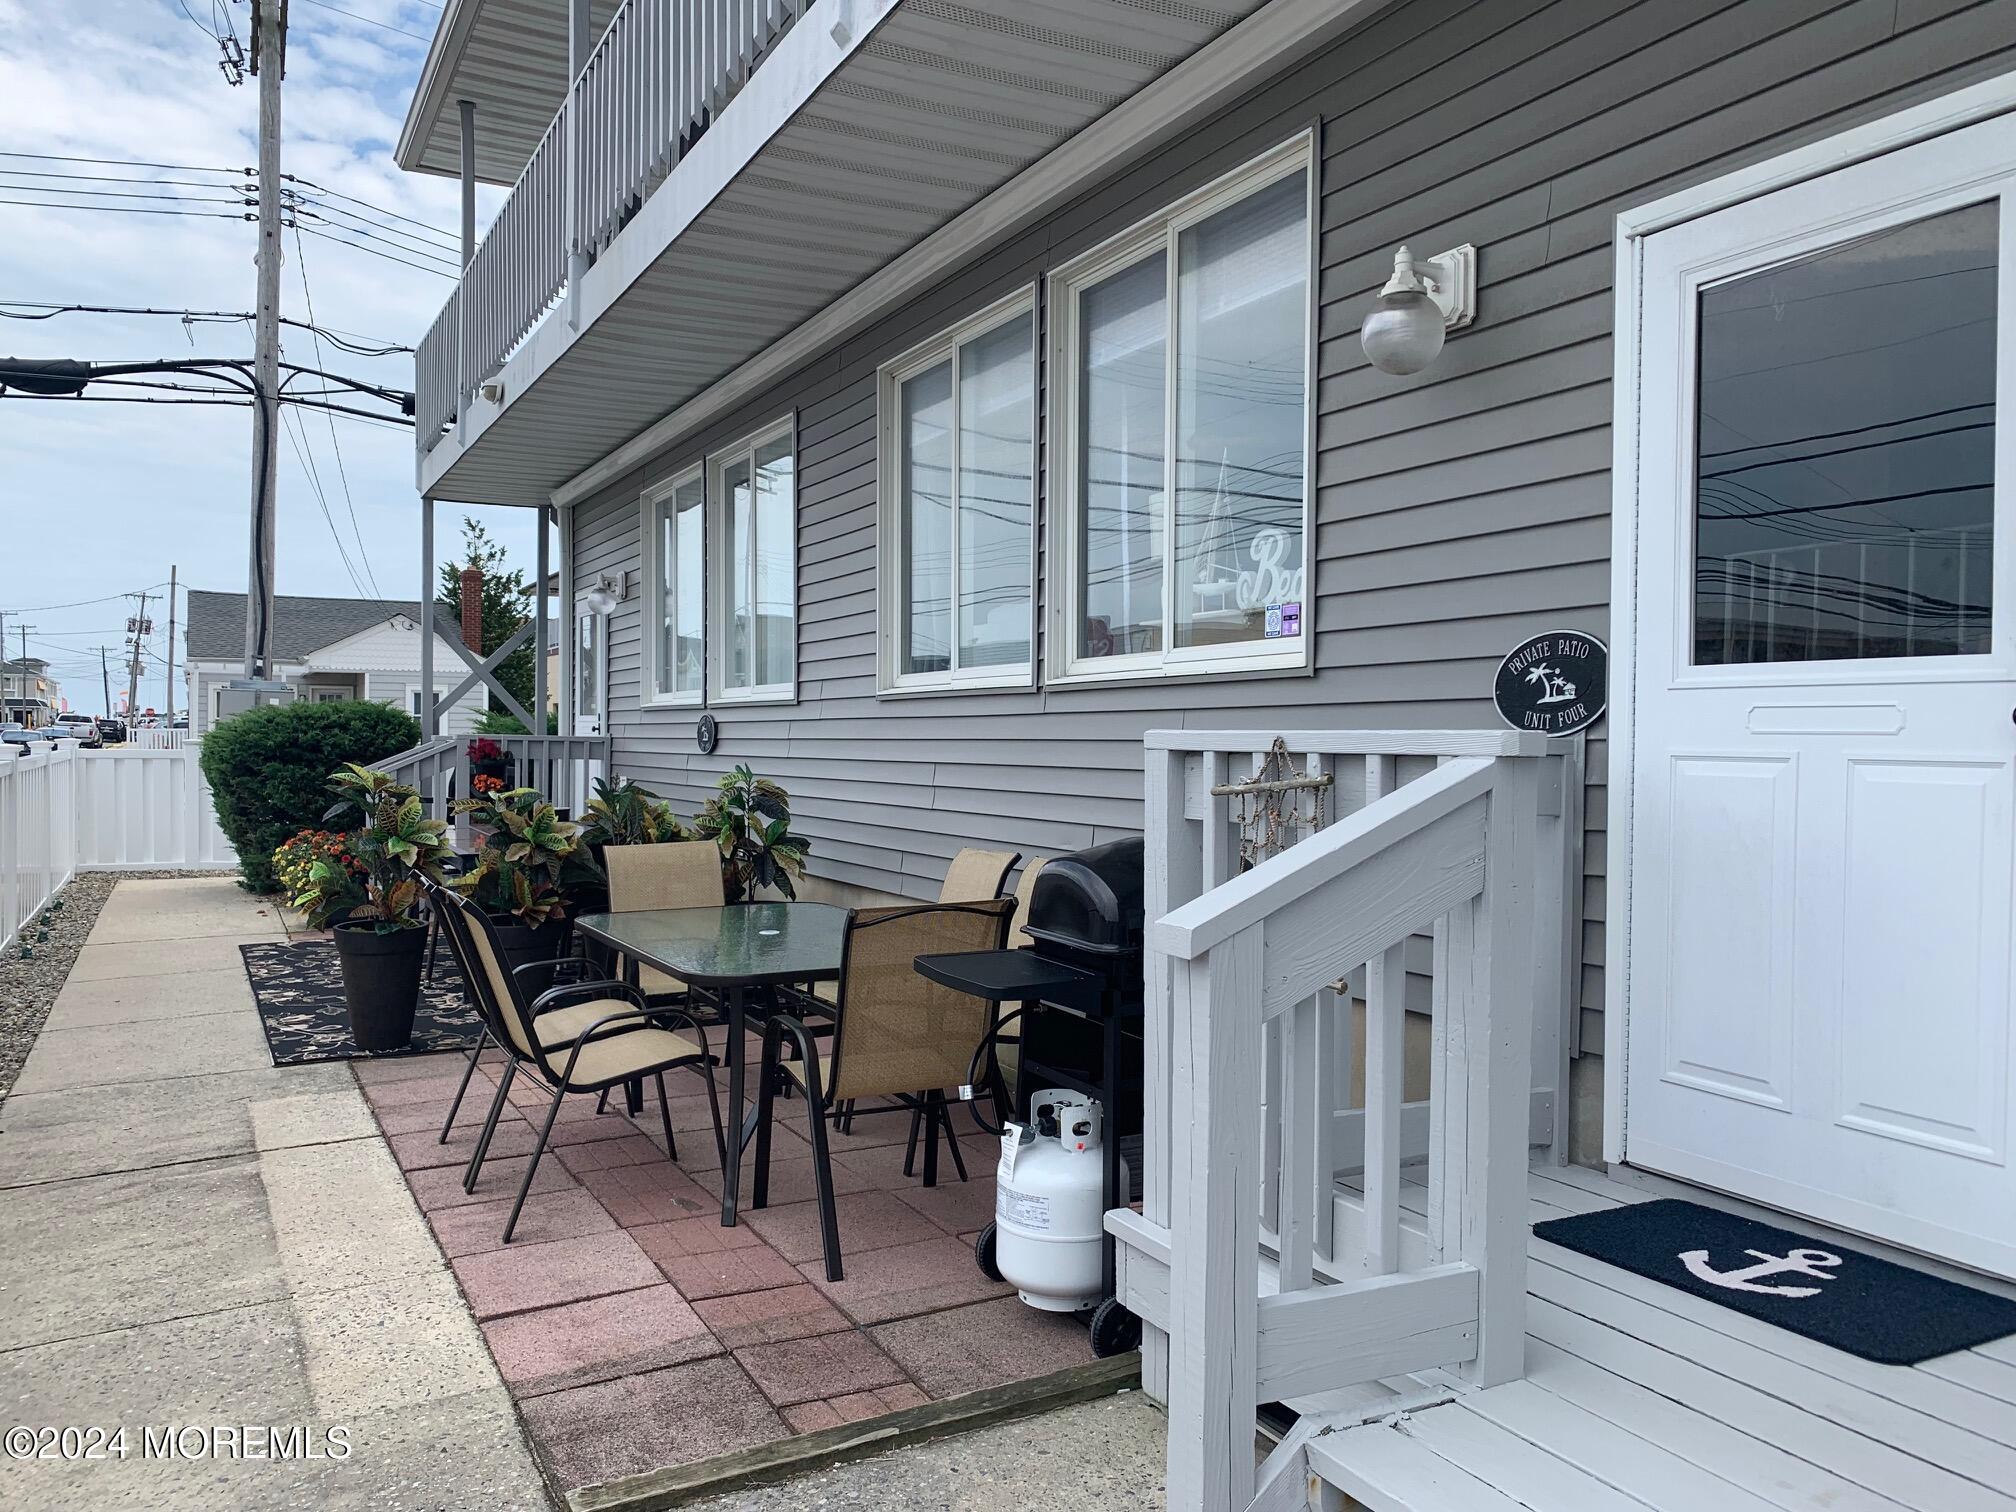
<point x="1091" y="900"/>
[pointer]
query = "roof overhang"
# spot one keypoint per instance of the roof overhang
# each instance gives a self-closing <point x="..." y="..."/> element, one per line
<point x="507" y="57"/>
<point x="845" y="178"/>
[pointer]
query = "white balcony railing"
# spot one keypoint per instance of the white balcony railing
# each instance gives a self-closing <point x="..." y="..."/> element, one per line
<point x="562" y="767"/>
<point x="652" y="84"/>
<point x="1273" y="1256"/>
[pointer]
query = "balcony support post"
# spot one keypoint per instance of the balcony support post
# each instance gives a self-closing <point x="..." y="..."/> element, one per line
<point x="430" y="718"/>
<point x="579" y="41"/>
<point x="467" y="111"/>
<point x="542" y="640"/>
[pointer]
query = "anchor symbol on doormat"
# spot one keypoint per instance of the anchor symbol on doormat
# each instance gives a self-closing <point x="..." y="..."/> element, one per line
<point x="1815" y="1263"/>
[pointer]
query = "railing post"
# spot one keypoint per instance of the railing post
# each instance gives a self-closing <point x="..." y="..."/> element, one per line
<point x="579" y="40"/>
<point x="1486" y="1073"/>
<point x="1173" y="871"/>
<point x="1214" y="1229"/>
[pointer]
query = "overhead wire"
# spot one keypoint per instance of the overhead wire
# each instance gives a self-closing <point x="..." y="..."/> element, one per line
<point x="308" y="299"/>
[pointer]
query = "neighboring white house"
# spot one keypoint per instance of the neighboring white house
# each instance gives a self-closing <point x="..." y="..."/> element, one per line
<point x="27" y="692"/>
<point x="328" y="649"/>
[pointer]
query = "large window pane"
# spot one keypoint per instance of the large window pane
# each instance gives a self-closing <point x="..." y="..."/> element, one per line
<point x="1123" y="321"/>
<point x="1846" y="447"/>
<point x="775" y="552"/>
<point x="1242" y="329"/>
<point x="737" y="612"/>
<point x="997" y="485"/>
<point x="678" y="545"/>
<point x="927" y="521"/>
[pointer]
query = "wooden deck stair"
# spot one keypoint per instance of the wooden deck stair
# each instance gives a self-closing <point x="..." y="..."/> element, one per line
<point x="1638" y="1396"/>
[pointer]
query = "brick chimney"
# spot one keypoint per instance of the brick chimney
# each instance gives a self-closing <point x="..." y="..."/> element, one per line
<point x="472" y="608"/>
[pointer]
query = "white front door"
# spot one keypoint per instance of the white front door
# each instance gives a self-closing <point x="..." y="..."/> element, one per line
<point x="1820" y="846"/>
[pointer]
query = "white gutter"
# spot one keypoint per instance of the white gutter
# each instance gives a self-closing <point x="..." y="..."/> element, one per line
<point x="444" y="56"/>
<point x="1204" y="82"/>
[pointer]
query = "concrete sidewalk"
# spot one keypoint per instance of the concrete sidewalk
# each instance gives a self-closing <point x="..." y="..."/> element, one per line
<point x="190" y="1238"/>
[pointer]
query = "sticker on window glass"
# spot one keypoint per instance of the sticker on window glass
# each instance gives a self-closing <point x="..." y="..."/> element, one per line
<point x="1283" y="619"/>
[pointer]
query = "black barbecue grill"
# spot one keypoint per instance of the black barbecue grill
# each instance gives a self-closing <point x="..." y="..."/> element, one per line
<point x="1079" y="988"/>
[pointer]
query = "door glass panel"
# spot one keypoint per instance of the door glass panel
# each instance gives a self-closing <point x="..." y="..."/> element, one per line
<point x="737" y="610"/>
<point x="776" y="562"/>
<point x="1846" y="448"/>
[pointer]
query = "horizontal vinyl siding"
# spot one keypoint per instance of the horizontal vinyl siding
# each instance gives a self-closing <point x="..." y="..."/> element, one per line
<point x="1455" y="512"/>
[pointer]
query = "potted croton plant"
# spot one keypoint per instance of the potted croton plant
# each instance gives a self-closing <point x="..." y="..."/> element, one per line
<point x="529" y="860"/>
<point x="368" y="894"/>
<point x="749" y="817"/>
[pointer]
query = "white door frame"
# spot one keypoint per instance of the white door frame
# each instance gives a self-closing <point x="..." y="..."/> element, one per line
<point x="1978" y="102"/>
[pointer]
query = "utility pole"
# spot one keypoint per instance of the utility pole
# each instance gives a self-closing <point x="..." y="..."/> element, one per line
<point x="269" y="62"/>
<point x="27" y="715"/>
<point x="140" y="626"/>
<point x="105" y="678"/>
<point x="169" y="697"/>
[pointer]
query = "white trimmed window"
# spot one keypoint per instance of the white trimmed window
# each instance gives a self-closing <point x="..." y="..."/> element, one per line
<point x="753" y="544"/>
<point x="1182" y="426"/>
<point x="958" y="507"/>
<point x="675" y="565"/>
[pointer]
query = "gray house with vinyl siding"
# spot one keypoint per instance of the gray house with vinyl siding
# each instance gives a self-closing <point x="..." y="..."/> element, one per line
<point x="766" y="339"/>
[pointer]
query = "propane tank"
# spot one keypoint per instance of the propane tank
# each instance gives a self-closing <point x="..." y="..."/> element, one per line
<point x="1050" y="1203"/>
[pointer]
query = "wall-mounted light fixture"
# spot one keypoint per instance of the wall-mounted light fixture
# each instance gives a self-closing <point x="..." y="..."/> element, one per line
<point x="610" y="589"/>
<point x="1421" y="302"/>
<point x="492" y="392"/>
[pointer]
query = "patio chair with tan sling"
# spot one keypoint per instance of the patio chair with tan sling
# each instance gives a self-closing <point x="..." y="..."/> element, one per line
<point x="896" y="1034"/>
<point x="580" y="1037"/>
<point x="681" y="874"/>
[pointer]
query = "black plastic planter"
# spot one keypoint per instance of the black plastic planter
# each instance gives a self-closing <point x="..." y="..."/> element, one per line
<point x="381" y="982"/>
<point x="522" y="944"/>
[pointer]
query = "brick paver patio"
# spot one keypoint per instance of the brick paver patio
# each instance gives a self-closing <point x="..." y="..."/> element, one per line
<point x="636" y="1333"/>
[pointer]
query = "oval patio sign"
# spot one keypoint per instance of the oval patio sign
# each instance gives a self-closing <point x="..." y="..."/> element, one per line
<point x="1554" y="684"/>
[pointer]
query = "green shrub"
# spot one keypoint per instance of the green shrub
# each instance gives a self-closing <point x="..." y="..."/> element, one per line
<point x="269" y="770"/>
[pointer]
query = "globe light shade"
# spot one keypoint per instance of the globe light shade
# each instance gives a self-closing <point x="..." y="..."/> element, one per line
<point x="1403" y="334"/>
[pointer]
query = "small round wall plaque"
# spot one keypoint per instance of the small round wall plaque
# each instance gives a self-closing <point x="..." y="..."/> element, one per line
<point x="708" y="735"/>
<point x="1554" y="684"/>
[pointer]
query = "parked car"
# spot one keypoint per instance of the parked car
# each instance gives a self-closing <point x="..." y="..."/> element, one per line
<point x="112" y="731"/>
<point x="81" y="728"/>
<point x="29" y="741"/>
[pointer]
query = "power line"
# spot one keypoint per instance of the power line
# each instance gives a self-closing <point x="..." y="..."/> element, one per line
<point x="115" y="178"/>
<point x="346" y="340"/>
<point x="367" y="20"/>
<point x="375" y="252"/>
<point x="308" y="299"/>
<point x="134" y="210"/>
<point x="353" y="199"/>
<point x="51" y="157"/>
<point x="398" y="241"/>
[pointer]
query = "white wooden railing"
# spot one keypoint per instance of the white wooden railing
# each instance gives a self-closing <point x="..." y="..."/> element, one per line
<point x="1272" y="1257"/>
<point x="64" y="810"/>
<point x="562" y="767"/>
<point x="652" y="84"/>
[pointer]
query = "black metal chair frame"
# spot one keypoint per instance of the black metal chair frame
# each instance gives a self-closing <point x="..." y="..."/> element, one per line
<point x="779" y="1027"/>
<point x="460" y="915"/>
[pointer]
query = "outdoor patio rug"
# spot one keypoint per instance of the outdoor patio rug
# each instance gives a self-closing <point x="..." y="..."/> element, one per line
<point x="1830" y="1293"/>
<point x="299" y="990"/>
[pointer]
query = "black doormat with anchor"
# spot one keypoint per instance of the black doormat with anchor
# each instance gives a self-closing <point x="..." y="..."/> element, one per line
<point x="1826" y="1291"/>
<point x="299" y="990"/>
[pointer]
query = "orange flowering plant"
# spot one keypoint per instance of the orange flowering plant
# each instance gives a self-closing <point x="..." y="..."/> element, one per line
<point x="294" y="862"/>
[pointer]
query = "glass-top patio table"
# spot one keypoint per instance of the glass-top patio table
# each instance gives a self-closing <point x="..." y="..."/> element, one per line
<point x="729" y="953"/>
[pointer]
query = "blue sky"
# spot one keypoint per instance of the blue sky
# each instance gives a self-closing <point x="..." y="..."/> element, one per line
<point x="99" y="499"/>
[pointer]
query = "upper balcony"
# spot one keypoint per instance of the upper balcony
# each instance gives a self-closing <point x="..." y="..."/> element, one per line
<point x="721" y="172"/>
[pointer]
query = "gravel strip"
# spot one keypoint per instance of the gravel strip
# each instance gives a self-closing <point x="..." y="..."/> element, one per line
<point x="28" y="988"/>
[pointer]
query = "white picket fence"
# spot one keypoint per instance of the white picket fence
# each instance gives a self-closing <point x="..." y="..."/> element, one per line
<point x="64" y="810"/>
